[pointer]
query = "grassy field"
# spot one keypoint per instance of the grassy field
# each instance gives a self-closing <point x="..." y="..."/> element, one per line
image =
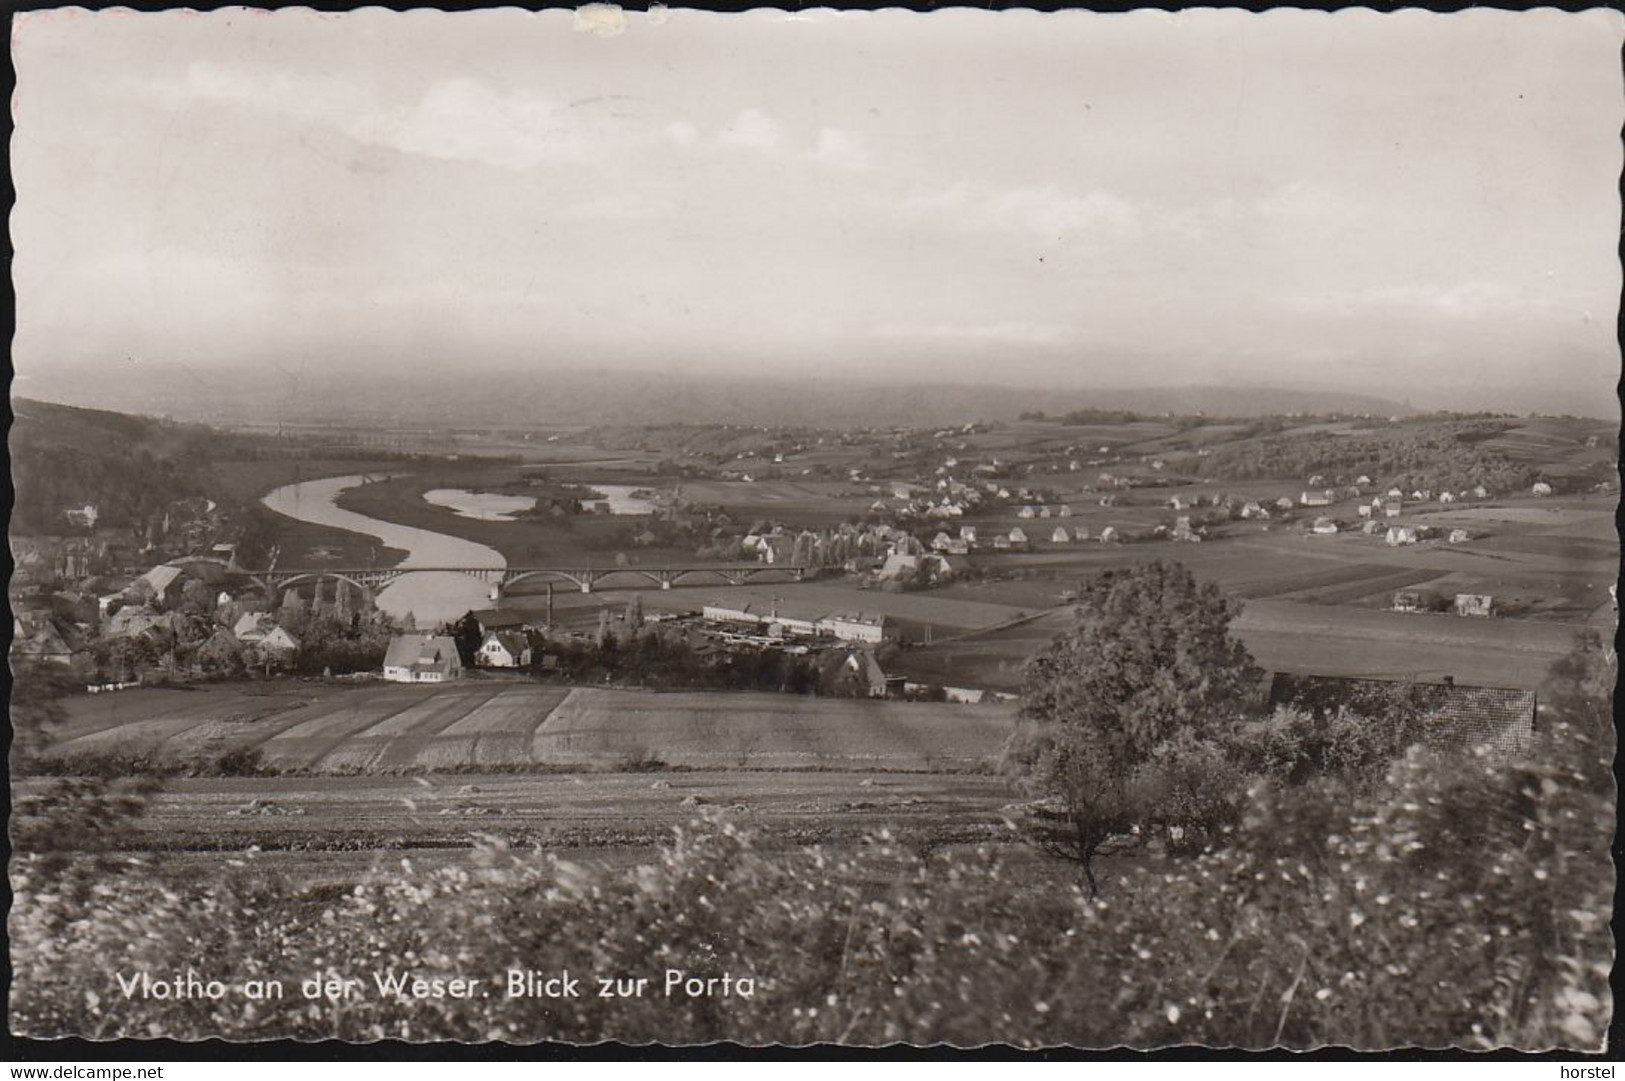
<point x="493" y="725"/>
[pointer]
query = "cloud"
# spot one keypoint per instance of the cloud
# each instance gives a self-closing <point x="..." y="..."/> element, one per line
<point x="840" y="150"/>
<point x="1473" y="300"/>
<point x="1005" y="332"/>
<point x="1045" y="212"/>
<point x="466" y="119"/>
<point x="682" y="132"/>
<point x="752" y="129"/>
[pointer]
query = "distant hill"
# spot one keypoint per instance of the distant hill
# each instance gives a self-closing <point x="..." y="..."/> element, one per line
<point x="592" y="396"/>
<point x="129" y="467"/>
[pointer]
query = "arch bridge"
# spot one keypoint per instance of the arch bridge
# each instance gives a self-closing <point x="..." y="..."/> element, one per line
<point x="371" y="580"/>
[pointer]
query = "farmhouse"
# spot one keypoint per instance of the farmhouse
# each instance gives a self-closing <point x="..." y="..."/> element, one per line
<point x="1473" y="604"/>
<point x="1316" y="499"/>
<point x="1456" y="718"/>
<point x="1459" y="536"/>
<point x="1324" y="526"/>
<point x="503" y="649"/>
<point x="1060" y="536"/>
<point x="422" y="658"/>
<point x="1401" y="534"/>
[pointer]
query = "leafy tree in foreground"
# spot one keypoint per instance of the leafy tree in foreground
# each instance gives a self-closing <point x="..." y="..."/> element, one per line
<point x="1125" y="714"/>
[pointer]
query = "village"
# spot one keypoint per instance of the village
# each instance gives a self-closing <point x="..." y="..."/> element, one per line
<point x="922" y="559"/>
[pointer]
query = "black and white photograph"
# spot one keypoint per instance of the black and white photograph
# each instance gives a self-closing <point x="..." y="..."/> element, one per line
<point x="785" y="529"/>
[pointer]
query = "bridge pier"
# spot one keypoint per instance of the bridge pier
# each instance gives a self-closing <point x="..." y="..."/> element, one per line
<point x="665" y="583"/>
<point x="586" y="585"/>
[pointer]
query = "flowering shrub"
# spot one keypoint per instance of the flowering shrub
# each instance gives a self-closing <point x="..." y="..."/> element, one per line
<point x="1463" y="905"/>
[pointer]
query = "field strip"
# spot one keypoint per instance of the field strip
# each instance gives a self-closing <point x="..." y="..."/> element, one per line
<point x="371" y="748"/>
<point x="315" y="738"/>
<point x="120" y="709"/>
<point x="363" y="749"/>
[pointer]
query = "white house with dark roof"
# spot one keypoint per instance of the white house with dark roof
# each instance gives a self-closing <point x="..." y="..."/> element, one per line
<point x="503" y="649"/>
<point x="422" y="658"/>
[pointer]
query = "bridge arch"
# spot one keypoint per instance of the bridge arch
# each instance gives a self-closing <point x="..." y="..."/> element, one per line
<point x="277" y="588"/>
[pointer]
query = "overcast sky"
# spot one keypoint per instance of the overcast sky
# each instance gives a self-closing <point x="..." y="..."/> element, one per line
<point x="1408" y="205"/>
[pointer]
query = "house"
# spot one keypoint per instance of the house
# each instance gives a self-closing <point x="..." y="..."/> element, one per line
<point x="1481" y="492"/>
<point x="252" y="626"/>
<point x="84" y="517"/>
<point x="137" y="620"/>
<point x="1107" y="500"/>
<point x="1473" y="604"/>
<point x="422" y="658"/>
<point x="1018" y="537"/>
<point x="1043" y="512"/>
<point x="1063" y="511"/>
<point x="1410" y="600"/>
<point x="1541" y="488"/>
<point x="854" y="627"/>
<point x="1365" y="510"/>
<point x="1395" y="493"/>
<point x="1401" y="534"/>
<point x="1456" y="719"/>
<point x="1060" y="536"/>
<point x="940" y="542"/>
<point x="1392" y="509"/>
<point x="1371" y="527"/>
<point x="1002" y="542"/>
<point x="1182" y="530"/>
<point x="862" y="672"/>
<point x="278" y="640"/>
<point x="1324" y="527"/>
<point x="1362" y="479"/>
<point x="900" y="566"/>
<point x="1459" y="536"/>
<point x="967" y="533"/>
<point x="165" y="583"/>
<point x="1252" y="509"/>
<point x="1026" y="512"/>
<point x="40" y="641"/>
<point x="1284" y="503"/>
<point x="503" y="649"/>
<point x="1080" y="533"/>
<point x="1446" y="497"/>
<point x="1316" y="499"/>
<point x="1176" y="503"/>
<point x="1108" y="535"/>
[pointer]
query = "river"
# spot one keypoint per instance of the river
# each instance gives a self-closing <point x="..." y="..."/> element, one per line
<point x="429" y="597"/>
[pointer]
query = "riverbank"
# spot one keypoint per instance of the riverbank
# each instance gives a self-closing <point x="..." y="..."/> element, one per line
<point x="586" y="540"/>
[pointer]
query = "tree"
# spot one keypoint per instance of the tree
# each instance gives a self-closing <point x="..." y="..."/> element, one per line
<point x="1120" y="711"/>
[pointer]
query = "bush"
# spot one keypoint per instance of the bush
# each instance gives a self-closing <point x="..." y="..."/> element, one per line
<point x="1467" y="905"/>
